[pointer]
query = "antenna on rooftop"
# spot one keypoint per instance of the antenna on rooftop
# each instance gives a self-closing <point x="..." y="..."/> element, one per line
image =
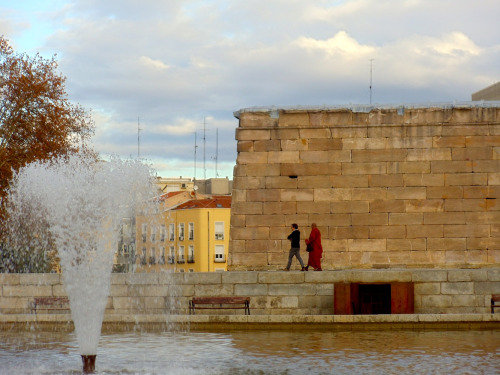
<point x="138" y="138"/>
<point x="195" y="147"/>
<point x="371" y="74"/>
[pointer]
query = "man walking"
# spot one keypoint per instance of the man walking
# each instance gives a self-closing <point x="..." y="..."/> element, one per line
<point x="294" y="238"/>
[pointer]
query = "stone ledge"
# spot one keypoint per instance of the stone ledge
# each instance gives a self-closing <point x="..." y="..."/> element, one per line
<point x="128" y="322"/>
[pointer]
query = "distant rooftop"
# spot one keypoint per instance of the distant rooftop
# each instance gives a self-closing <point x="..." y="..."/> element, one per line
<point x="491" y="92"/>
<point x="367" y="108"/>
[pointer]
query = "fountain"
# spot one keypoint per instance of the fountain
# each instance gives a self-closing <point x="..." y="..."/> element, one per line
<point x="83" y="203"/>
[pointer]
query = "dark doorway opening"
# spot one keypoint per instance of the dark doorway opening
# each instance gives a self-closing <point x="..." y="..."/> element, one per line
<point x="374" y="299"/>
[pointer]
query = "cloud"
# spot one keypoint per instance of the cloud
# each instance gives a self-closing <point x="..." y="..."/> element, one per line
<point x="184" y="67"/>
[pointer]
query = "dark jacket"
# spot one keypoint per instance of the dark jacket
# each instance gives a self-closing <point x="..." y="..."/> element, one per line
<point x="295" y="238"/>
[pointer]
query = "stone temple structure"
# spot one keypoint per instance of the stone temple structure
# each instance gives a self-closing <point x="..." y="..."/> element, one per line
<point x="389" y="187"/>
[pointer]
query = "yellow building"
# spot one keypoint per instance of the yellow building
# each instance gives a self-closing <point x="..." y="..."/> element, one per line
<point x="187" y="236"/>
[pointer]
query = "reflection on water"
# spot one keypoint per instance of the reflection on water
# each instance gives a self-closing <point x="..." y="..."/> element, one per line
<point x="258" y="353"/>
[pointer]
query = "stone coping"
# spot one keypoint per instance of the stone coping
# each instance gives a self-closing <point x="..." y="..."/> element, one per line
<point x="130" y="322"/>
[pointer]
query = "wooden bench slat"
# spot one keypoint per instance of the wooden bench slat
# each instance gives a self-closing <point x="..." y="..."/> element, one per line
<point x="49" y="303"/>
<point x="195" y="303"/>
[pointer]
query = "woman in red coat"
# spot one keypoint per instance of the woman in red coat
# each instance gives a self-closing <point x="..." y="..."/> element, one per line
<point x="317" y="250"/>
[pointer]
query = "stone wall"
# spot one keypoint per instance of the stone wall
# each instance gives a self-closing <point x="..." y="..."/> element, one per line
<point x="387" y="187"/>
<point x="272" y="293"/>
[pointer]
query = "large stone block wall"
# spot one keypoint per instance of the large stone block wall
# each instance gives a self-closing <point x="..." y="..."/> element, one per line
<point x="271" y="293"/>
<point x="389" y="187"/>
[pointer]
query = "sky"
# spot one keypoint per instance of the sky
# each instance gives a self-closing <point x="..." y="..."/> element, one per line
<point x="163" y="78"/>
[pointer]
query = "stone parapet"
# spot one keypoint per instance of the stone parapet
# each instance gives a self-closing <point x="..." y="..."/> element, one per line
<point x="450" y="291"/>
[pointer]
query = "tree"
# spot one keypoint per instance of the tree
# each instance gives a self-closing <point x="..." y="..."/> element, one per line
<point x="37" y="120"/>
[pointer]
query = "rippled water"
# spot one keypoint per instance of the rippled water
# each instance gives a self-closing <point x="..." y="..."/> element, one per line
<point x="258" y="353"/>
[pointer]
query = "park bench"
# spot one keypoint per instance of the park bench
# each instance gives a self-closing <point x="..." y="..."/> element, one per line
<point x="49" y="303"/>
<point x="205" y="303"/>
<point x="495" y="302"/>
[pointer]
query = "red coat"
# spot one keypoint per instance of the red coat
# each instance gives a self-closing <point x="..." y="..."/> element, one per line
<point x="317" y="253"/>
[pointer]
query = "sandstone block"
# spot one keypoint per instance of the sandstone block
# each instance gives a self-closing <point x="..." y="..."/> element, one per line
<point x="348" y="206"/>
<point x="363" y="156"/>
<point x="213" y="290"/>
<point x="250" y="183"/>
<point x="382" y="180"/>
<point x="293" y="145"/>
<point x="427" y="288"/>
<point x="487" y="287"/>
<point x="349" y="181"/>
<point x="368" y="194"/>
<point x="364" y="168"/>
<point x="446" y="244"/>
<point x="466" y="230"/>
<point x="406" y="193"/>
<point x="284" y="134"/>
<point x="280" y="208"/>
<point x="409" y="167"/>
<point x="292" y="118"/>
<point x="306" y="169"/>
<point x="467" y="275"/>
<point x="387" y="231"/>
<point x="418" y="154"/>
<point x="263" y="195"/>
<point x="253" y="289"/>
<point x="429" y="275"/>
<point x="244" y="146"/>
<point x="366" y="245"/>
<point x="356" y="131"/>
<point x="251" y="158"/>
<point x="386" y="206"/>
<point x="322" y="181"/>
<point x="247" y="208"/>
<point x="283" y="157"/>
<point x="481" y="192"/>
<point x="440" y="301"/>
<point x="297" y="195"/>
<point x="386" y="132"/>
<point x="315" y="133"/>
<point x="457" y="288"/>
<point x="473" y="153"/>
<point x="364" y="143"/>
<point x="461" y="179"/>
<point x="477" y="129"/>
<point x="394" y="244"/>
<point x="411" y="142"/>
<point x="265" y="221"/>
<point x="449" y="167"/>
<point x="421" y="179"/>
<point x="405" y="218"/>
<point x="483" y="141"/>
<point x="457" y="141"/>
<point x="314" y="156"/>
<point x="280" y="182"/>
<point x="324" y="144"/>
<point x="316" y="207"/>
<point x="256" y="119"/>
<point x="250" y="233"/>
<point x="380" y="218"/>
<point x="444" y="218"/>
<point x="347" y="232"/>
<point x="252" y="134"/>
<point x="445" y="192"/>
<point x="424" y="231"/>
<point x="240" y="278"/>
<point x="267" y="145"/>
<point x="259" y="170"/>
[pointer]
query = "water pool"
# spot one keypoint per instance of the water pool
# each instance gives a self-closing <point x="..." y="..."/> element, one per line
<point x="258" y="353"/>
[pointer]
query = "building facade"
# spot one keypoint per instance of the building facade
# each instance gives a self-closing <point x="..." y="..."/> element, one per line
<point x="189" y="234"/>
<point x="388" y="187"/>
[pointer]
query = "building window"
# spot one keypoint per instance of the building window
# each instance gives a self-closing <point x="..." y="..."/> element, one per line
<point x="172" y="232"/>
<point x="161" y="259"/>
<point x="219" y="230"/>
<point x="143" y="257"/>
<point x="220" y="255"/>
<point x="191" y="231"/>
<point x="181" y="231"/>
<point x="152" y="256"/>
<point x="191" y="254"/>
<point x="171" y="255"/>
<point x="181" y="259"/>
<point x="163" y="233"/>
<point x="143" y="232"/>
<point x="153" y="234"/>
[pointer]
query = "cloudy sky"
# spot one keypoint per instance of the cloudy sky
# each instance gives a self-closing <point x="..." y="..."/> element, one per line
<point x="179" y="69"/>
